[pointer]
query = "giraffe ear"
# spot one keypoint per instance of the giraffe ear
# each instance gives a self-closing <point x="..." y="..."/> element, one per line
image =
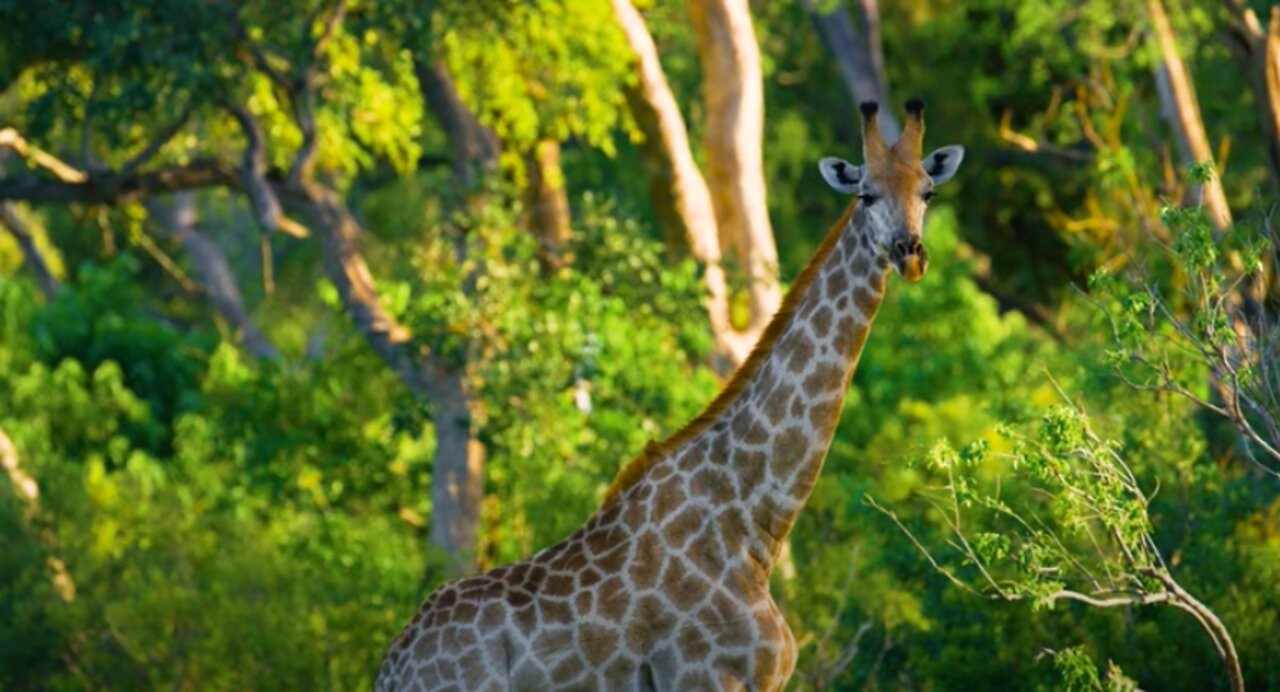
<point x="841" y="175"/>
<point x="942" y="163"/>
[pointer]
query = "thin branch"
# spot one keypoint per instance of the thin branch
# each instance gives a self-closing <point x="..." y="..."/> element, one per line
<point x="155" y="145"/>
<point x="923" y="550"/>
<point x="256" y="54"/>
<point x="1126" y="599"/>
<point x="166" y="263"/>
<point x="65" y="172"/>
<point x="302" y="96"/>
<point x="1034" y="146"/>
<point x="330" y="26"/>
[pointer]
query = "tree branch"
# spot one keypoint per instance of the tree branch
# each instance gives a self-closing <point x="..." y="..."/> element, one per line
<point x="155" y="145"/>
<point x="31" y="254"/>
<point x="65" y="172"/>
<point x="1033" y="146"/>
<point x="1182" y="110"/>
<point x="212" y="271"/>
<point x="302" y="96"/>
<point x="113" y="188"/>
<point x="1257" y="52"/>
<point x="266" y="208"/>
<point x="330" y="27"/>
<point x="346" y="267"/>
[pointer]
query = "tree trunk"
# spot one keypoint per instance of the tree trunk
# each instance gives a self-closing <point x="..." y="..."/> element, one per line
<point x="475" y="148"/>
<point x="457" y="481"/>
<point x="1183" y="112"/>
<point x="680" y="194"/>
<point x="31" y="254"/>
<point x="546" y="202"/>
<point x="1257" y="51"/>
<point x="347" y="270"/>
<point x="212" y="271"/>
<point x="858" y="56"/>
<point x="457" y="477"/>
<point x="733" y="89"/>
<point x="458" y="466"/>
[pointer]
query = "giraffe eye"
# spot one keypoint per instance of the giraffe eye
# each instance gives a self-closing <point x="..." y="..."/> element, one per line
<point x="867" y="199"/>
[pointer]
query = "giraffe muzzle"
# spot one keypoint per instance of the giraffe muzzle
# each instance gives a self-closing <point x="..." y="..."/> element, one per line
<point x="909" y="256"/>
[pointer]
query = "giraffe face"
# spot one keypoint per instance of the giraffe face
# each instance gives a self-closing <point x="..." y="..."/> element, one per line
<point x="893" y="188"/>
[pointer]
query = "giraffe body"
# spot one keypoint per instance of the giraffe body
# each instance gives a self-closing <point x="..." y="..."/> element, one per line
<point x="666" y="585"/>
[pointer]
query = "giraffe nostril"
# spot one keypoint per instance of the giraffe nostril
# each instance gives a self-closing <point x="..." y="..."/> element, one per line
<point x="906" y="246"/>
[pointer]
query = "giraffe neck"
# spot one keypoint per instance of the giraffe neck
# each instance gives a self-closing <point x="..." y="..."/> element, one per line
<point x="753" y="457"/>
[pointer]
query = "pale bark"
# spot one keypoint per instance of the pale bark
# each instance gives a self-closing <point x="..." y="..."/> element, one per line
<point x="11" y="139"/>
<point x="858" y="56"/>
<point x="680" y="194"/>
<point x="733" y="91"/>
<point x="212" y="271"/>
<point x="1183" y="112"/>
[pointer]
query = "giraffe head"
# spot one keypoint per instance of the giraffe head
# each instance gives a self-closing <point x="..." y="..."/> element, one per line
<point x="894" y="185"/>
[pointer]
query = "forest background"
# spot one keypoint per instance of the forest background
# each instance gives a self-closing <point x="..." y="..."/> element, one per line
<point x="308" y="305"/>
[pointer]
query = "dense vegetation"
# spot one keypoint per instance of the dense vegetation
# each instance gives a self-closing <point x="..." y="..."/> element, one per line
<point x="1068" y="424"/>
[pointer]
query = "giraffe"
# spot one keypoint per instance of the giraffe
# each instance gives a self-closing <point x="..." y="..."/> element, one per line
<point x="666" y="586"/>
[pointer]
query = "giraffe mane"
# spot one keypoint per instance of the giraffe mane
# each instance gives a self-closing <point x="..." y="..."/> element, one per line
<point x="656" y="450"/>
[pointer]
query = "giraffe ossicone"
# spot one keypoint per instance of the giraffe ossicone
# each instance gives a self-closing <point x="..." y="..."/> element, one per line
<point x="666" y="585"/>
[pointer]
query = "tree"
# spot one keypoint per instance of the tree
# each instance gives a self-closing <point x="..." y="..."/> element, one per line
<point x="213" y="271"/>
<point x="1092" y="543"/>
<point x="679" y="192"/>
<point x="1257" y="52"/>
<point x="290" y="73"/>
<point x="857" y="53"/>
<point x="733" y="94"/>
<point x="1182" y="110"/>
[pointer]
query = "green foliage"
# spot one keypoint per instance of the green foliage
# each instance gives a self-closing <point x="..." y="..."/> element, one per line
<point x="102" y="321"/>
<point x="608" y="341"/>
<point x="551" y="69"/>
<point x="576" y="368"/>
<point x="257" y="532"/>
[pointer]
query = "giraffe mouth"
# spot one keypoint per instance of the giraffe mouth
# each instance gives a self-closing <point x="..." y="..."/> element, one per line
<point x="909" y="257"/>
